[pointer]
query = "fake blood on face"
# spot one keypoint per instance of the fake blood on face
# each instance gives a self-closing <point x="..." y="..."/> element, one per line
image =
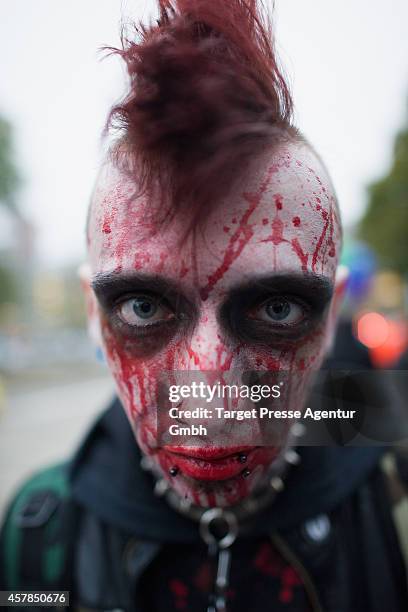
<point x="262" y="229"/>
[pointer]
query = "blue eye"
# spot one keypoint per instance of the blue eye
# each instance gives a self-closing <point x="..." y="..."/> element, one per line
<point x="143" y="310"/>
<point x="144" y="307"/>
<point x="281" y="310"/>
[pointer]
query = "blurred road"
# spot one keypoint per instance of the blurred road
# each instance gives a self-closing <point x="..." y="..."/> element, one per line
<point x="39" y="426"/>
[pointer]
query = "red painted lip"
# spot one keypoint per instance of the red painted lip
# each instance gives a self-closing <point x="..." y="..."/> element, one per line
<point x="208" y="453"/>
<point x="209" y="463"/>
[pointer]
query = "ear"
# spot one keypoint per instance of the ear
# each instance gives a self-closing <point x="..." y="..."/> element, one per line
<point x="340" y="286"/>
<point x="94" y="325"/>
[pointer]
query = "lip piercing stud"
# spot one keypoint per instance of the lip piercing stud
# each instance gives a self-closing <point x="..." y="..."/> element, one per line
<point x="246" y="473"/>
<point x="242" y="458"/>
<point x="173" y="471"/>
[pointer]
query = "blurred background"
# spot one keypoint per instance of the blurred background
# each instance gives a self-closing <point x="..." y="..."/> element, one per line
<point x="347" y="61"/>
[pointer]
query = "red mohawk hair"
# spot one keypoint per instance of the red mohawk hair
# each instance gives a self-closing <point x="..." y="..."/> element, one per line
<point x="205" y="94"/>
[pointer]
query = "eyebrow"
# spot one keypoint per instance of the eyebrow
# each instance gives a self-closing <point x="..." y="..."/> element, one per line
<point x="110" y="285"/>
<point x="305" y="282"/>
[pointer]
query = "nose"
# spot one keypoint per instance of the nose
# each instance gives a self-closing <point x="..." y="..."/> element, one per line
<point x="207" y="348"/>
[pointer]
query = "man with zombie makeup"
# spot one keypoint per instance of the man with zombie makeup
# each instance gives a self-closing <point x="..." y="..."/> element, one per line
<point x="213" y="239"/>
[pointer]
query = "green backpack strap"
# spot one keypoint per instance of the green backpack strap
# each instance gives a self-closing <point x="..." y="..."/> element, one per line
<point x="36" y="538"/>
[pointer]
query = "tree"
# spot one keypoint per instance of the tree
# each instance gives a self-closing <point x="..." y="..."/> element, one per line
<point x="9" y="179"/>
<point x="9" y="182"/>
<point x="385" y="223"/>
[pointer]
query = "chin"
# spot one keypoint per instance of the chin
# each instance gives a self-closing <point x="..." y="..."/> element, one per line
<point x="214" y="477"/>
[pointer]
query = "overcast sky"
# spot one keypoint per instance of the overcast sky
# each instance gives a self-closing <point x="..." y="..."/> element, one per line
<point x="347" y="61"/>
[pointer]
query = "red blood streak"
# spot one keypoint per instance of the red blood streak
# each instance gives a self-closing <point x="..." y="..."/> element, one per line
<point x="269" y="363"/>
<point x="317" y="177"/>
<point x="226" y="229"/>
<point x="122" y="245"/>
<point x="319" y="246"/>
<point x="278" y="201"/>
<point x="108" y="219"/>
<point x="296" y="221"/>
<point x="106" y="228"/>
<point x="301" y="364"/>
<point x="170" y="358"/>
<point x="238" y="240"/>
<point x="127" y="368"/>
<point x="162" y="261"/>
<point x="329" y="218"/>
<point x="277" y="231"/>
<point x="140" y="260"/>
<point x="300" y="253"/>
<point x="193" y="356"/>
<point x="265" y="221"/>
<point x="224" y="365"/>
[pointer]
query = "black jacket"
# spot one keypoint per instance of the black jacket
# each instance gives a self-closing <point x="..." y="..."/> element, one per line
<point x="332" y="523"/>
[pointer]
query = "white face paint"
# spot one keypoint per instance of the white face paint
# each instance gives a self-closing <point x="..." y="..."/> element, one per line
<point x="279" y="221"/>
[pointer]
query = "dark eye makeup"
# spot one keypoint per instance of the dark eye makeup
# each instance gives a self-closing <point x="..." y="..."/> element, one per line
<point x="267" y="310"/>
<point x="295" y="304"/>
